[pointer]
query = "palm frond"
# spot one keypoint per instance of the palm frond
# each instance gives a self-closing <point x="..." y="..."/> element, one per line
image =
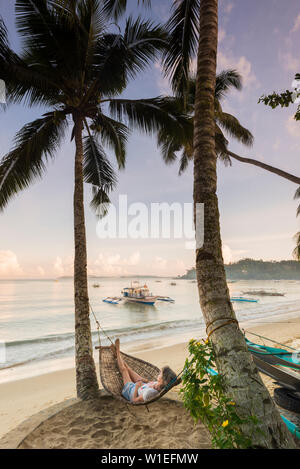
<point x="26" y="83"/>
<point x="51" y="41"/>
<point x="183" y="29"/>
<point x="296" y="251"/>
<point x="97" y="170"/>
<point x="143" y="40"/>
<point x="150" y="115"/>
<point x="186" y="157"/>
<point x="232" y="125"/>
<point x="171" y="144"/>
<point x="34" y="144"/>
<point x="222" y="147"/>
<point x="297" y="196"/>
<point x="116" y="8"/>
<point x="117" y="57"/>
<point x="100" y="201"/>
<point x="3" y="37"/>
<point x="226" y="80"/>
<point x="113" y="134"/>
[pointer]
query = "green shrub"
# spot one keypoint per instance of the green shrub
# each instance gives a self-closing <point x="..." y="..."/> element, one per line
<point x="204" y="396"/>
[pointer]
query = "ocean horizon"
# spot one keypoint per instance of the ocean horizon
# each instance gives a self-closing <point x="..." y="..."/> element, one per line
<point x="37" y="317"/>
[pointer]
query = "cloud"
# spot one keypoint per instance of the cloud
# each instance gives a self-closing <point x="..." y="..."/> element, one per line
<point x="113" y="264"/>
<point x="9" y="265"/>
<point x="40" y="271"/>
<point x="276" y="144"/>
<point x="228" y="7"/>
<point x="160" y="263"/>
<point x="64" y="267"/>
<point x="290" y="62"/>
<point x="293" y="127"/>
<point x="230" y="255"/>
<point x="221" y="35"/>
<point x="241" y="64"/>
<point x="58" y="266"/>
<point x="296" y="26"/>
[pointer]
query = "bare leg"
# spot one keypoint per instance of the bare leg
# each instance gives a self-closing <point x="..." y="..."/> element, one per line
<point x="122" y="365"/>
<point x="133" y="375"/>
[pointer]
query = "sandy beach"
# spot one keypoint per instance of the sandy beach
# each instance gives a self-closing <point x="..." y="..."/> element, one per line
<point x="23" y="398"/>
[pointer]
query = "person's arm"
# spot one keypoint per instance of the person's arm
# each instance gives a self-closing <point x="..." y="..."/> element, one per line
<point x="137" y="398"/>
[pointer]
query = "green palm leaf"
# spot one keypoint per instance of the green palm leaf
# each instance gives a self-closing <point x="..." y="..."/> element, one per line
<point x="232" y="125"/>
<point x="150" y="115"/>
<point x="117" y="57"/>
<point x="296" y="251"/>
<point x="98" y="172"/>
<point x="297" y="196"/>
<point x="183" y="27"/>
<point x="114" y="134"/>
<point x="3" y="37"/>
<point x="34" y="144"/>
<point x="116" y="8"/>
<point x="226" y="80"/>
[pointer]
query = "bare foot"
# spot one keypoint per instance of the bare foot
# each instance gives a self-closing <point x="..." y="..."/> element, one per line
<point x="113" y="349"/>
<point x="117" y="345"/>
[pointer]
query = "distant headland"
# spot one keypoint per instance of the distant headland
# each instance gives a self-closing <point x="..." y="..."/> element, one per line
<point x="251" y="269"/>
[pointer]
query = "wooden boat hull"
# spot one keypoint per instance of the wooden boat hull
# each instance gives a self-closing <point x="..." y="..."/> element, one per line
<point x="144" y="301"/>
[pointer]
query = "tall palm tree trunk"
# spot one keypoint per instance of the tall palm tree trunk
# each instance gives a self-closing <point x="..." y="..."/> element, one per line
<point x="271" y="169"/>
<point x="242" y="380"/>
<point x="86" y="378"/>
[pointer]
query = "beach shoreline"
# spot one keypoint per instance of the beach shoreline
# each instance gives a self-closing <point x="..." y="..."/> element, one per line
<point x="21" y="398"/>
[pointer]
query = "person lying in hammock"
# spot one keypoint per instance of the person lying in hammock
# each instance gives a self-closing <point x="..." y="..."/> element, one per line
<point x="138" y="389"/>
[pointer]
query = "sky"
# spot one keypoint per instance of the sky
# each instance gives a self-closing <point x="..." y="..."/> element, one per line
<point x="258" y="213"/>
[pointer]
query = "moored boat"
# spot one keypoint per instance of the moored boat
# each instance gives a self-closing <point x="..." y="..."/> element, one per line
<point x="241" y="298"/>
<point x="138" y="294"/>
<point x="112" y="300"/>
<point x="165" y="298"/>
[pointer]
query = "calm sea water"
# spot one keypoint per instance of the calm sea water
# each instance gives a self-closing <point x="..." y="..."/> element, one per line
<point x="37" y="317"/>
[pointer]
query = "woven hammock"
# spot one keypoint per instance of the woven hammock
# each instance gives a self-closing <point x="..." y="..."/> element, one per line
<point x="112" y="380"/>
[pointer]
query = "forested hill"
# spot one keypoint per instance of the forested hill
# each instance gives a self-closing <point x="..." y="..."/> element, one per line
<point x="250" y="269"/>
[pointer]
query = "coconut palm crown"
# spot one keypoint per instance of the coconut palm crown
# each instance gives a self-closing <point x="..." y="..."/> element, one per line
<point x="171" y="144"/>
<point x="75" y="62"/>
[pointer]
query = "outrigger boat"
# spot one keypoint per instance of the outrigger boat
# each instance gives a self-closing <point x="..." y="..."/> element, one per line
<point x="165" y="298"/>
<point x="292" y="427"/>
<point x="137" y="294"/>
<point x="241" y="298"/>
<point x="114" y="301"/>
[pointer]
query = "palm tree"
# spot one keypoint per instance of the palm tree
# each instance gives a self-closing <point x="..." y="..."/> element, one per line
<point x="183" y="28"/>
<point x="243" y="382"/>
<point x="76" y="68"/>
<point x="171" y="144"/>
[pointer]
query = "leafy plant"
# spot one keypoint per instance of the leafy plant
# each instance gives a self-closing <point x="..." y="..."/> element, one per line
<point x="283" y="99"/>
<point x="203" y="394"/>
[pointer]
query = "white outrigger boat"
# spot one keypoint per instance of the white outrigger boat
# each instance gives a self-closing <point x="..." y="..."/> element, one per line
<point x="112" y="300"/>
<point x="138" y="294"/>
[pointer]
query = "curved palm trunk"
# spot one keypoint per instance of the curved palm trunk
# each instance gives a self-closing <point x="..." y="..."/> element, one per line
<point x="271" y="169"/>
<point x="243" y="382"/>
<point x="86" y="378"/>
